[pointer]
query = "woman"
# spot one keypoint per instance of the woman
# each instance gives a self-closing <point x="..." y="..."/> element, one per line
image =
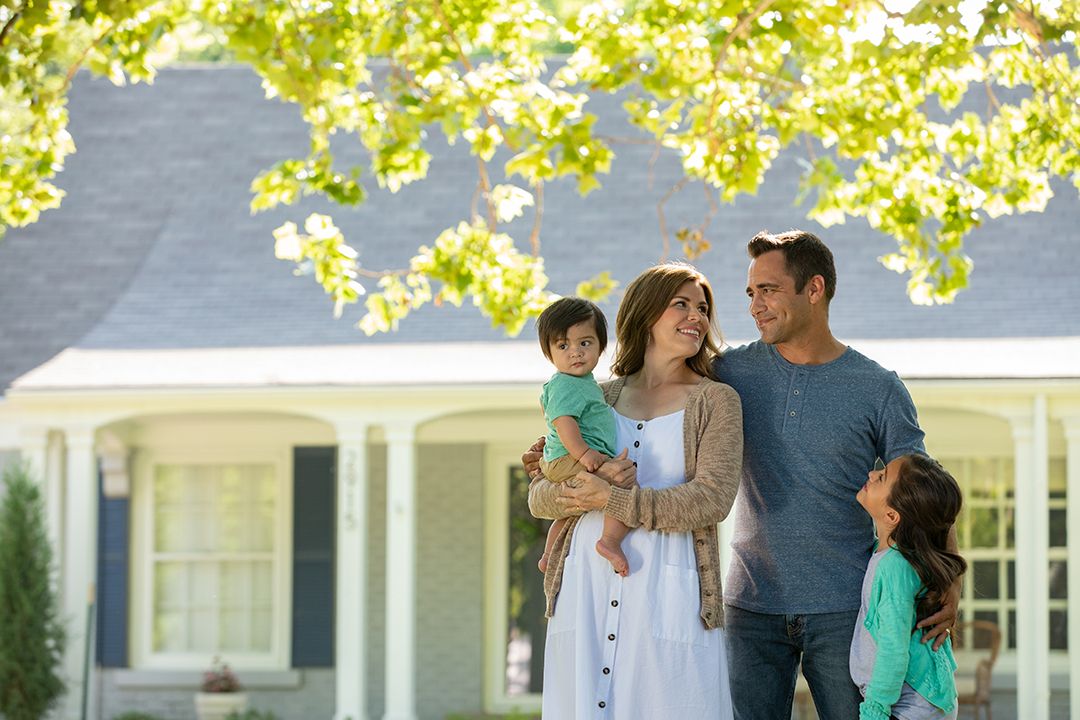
<point x="649" y="645"/>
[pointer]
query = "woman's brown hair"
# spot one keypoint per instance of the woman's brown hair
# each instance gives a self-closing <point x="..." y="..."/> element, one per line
<point x="646" y="299"/>
<point x="928" y="500"/>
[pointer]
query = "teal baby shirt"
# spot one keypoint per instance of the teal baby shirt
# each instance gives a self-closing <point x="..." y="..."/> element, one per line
<point x="582" y="399"/>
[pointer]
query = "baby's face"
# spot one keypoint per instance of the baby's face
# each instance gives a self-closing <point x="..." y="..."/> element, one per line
<point x="578" y="352"/>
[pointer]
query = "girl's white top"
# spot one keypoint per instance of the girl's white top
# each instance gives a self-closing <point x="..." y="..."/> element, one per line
<point x="634" y="648"/>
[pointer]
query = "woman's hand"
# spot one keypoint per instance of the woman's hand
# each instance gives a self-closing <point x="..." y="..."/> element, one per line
<point x="531" y="458"/>
<point x="589" y="492"/>
<point x="619" y="471"/>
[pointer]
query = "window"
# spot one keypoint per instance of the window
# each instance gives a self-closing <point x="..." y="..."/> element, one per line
<point x="986" y="535"/>
<point x="516" y="627"/>
<point x="212" y="550"/>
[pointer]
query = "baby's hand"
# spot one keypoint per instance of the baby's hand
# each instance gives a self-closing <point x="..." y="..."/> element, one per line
<point x="592" y="459"/>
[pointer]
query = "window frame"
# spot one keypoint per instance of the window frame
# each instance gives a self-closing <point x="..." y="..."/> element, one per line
<point x="1004" y="606"/>
<point x="499" y="460"/>
<point x="141" y="584"/>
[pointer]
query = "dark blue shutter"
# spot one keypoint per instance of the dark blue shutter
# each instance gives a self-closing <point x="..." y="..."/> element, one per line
<point x="112" y="582"/>
<point x="313" y="556"/>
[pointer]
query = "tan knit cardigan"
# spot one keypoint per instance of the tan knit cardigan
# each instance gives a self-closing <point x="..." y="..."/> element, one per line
<point x="713" y="422"/>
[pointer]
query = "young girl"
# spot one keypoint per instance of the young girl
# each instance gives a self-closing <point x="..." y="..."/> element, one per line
<point x="914" y="502"/>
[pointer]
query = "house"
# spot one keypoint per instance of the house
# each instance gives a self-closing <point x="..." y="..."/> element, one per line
<point x="342" y="518"/>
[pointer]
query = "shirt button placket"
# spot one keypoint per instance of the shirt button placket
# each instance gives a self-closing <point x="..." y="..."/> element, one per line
<point x="793" y="411"/>
<point x="607" y="656"/>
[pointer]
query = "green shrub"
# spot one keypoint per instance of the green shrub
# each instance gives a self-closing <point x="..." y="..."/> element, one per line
<point x="136" y="716"/>
<point x="32" y="633"/>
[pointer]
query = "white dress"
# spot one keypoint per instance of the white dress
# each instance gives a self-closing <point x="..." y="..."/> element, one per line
<point x="635" y="648"/>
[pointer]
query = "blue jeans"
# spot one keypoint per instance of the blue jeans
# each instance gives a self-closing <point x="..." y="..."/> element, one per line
<point x="764" y="652"/>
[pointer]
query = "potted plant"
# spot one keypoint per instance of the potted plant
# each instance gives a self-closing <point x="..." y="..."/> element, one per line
<point x="221" y="693"/>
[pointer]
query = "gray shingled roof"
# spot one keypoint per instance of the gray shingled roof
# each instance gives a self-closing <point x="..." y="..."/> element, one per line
<point x="154" y="247"/>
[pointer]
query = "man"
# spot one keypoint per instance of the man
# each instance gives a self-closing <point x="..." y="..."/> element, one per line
<point x="816" y="417"/>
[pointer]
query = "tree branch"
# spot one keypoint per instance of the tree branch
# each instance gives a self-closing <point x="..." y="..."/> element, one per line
<point x="485" y="185"/>
<point x="9" y="24"/>
<point x="721" y="54"/>
<point x="663" y="219"/>
<point x="380" y="273"/>
<point x="534" y="236"/>
<point x="78" y="63"/>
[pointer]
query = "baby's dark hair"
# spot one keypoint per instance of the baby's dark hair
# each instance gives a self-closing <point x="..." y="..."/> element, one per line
<point x="928" y="500"/>
<point x="564" y="314"/>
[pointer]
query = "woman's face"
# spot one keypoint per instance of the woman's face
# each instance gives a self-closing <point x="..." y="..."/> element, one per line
<point x="681" y="329"/>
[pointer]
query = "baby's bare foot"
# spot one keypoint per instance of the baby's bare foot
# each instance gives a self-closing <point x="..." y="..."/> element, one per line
<point x="543" y="563"/>
<point x="611" y="551"/>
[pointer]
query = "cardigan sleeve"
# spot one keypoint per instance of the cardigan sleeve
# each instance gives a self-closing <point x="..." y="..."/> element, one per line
<point x="706" y="498"/>
<point x="892" y="615"/>
<point x="542" y="504"/>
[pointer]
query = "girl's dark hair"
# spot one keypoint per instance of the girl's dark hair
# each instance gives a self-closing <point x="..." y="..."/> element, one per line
<point x="564" y="314"/>
<point x="646" y="299"/>
<point x="928" y="500"/>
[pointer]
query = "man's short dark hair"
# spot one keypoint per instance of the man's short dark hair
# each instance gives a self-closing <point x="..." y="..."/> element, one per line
<point x="804" y="256"/>
<point x="564" y="314"/>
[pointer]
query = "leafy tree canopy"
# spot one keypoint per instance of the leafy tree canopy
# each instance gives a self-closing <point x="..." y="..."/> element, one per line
<point x="869" y="89"/>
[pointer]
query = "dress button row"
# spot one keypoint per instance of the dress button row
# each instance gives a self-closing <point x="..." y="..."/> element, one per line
<point x="602" y="704"/>
<point x="611" y="636"/>
<point x="607" y="671"/>
<point x="640" y="426"/>
<point x="614" y="603"/>
<point x="637" y="443"/>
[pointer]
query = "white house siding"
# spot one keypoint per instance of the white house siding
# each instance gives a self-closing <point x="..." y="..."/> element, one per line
<point x="450" y="582"/>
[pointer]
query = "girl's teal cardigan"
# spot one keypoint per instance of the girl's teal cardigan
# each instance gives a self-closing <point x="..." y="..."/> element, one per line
<point x="901" y="656"/>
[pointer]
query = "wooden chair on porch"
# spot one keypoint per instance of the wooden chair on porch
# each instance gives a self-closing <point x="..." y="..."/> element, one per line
<point x="982" y="639"/>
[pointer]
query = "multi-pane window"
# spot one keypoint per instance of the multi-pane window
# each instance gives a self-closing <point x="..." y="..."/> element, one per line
<point x="212" y="559"/>
<point x="526" y="626"/>
<point x="986" y="532"/>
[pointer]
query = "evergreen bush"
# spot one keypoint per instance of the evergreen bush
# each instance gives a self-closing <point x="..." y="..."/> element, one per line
<point x="32" y="633"/>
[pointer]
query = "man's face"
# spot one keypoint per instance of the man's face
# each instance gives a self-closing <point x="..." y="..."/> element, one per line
<point x="781" y="314"/>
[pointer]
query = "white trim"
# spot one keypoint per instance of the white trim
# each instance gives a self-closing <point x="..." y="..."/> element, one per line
<point x="1032" y="573"/>
<point x="141" y="592"/>
<point x="350" y="626"/>
<point x="79" y="563"/>
<point x="1071" y="426"/>
<point x="498" y="461"/>
<point x="191" y="679"/>
<point x="407" y="364"/>
<point x="400" y="572"/>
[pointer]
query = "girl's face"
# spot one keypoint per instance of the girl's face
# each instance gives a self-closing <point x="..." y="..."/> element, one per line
<point x="874" y="495"/>
<point x="682" y="327"/>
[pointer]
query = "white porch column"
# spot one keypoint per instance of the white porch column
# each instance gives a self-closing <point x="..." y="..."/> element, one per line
<point x="350" y="641"/>
<point x="80" y="560"/>
<point x="55" y="502"/>
<point x="42" y="453"/>
<point x="1071" y="426"/>
<point x="34" y="448"/>
<point x="400" y="573"/>
<point x="1030" y="435"/>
